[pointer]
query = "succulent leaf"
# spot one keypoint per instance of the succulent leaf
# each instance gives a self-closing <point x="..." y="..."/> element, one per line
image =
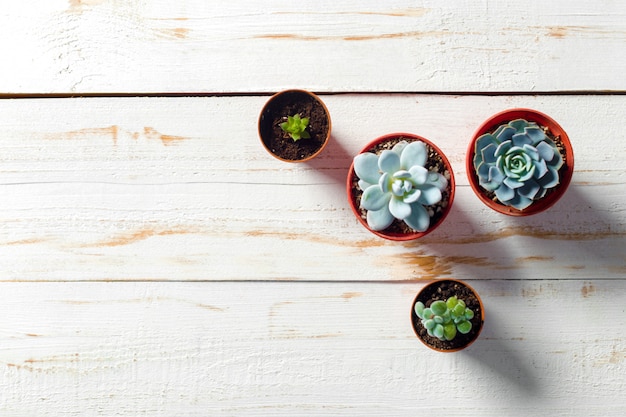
<point x="419" y="309"/>
<point x="419" y="219"/>
<point x="503" y="148"/>
<point x="429" y="195"/>
<point x="484" y="141"/>
<point x="419" y="174"/>
<point x="412" y="196"/>
<point x="449" y="331"/>
<point x="488" y="153"/>
<point x="535" y="134"/>
<point x="505" y="193"/>
<point x="550" y="179"/>
<point x="437" y="180"/>
<point x="399" y="209"/>
<point x="389" y="162"/>
<point x="521" y="139"/>
<point x="374" y="198"/>
<point x="458" y="310"/>
<point x="366" y="167"/>
<point x="414" y="154"/>
<point x="464" y="327"/>
<point x="438" y="331"/>
<point x="438" y="307"/>
<point x="505" y="133"/>
<point x="546" y="152"/>
<point x="379" y="219"/>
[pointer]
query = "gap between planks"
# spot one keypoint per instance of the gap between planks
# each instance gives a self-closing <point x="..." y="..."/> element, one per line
<point x="9" y="96"/>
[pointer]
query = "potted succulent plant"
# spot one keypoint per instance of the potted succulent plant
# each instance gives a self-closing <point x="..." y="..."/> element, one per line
<point x="447" y="315"/>
<point x="400" y="187"/>
<point x="520" y="162"/>
<point x="294" y="125"/>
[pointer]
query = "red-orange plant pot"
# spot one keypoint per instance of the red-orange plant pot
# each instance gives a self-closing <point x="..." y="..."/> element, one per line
<point x="289" y="103"/>
<point x="398" y="230"/>
<point x="553" y="131"/>
<point x="442" y="290"/>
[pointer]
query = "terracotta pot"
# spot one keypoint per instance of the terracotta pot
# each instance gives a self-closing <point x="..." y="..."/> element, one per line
<point x="288" y="103"/>
<point x="460" y="341"/>
<point x="554" y="130"/>
<point x="354" y="193"/>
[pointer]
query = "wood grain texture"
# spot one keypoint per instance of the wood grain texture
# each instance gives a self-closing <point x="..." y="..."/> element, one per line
<point x="155" y="261"/>
<point x="181" y="189"/>
<point x="314" y="349"/>
<point x="95" y="46"/>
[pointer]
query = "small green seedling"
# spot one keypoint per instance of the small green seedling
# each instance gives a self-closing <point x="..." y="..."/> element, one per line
<point x="296" y="127"/>
<point x="444" y="318"/>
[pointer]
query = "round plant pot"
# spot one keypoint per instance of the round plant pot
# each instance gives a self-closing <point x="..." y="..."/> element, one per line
<point x="398" y="230"/>
<point x="554" y="131"/>
<point x="442" y="290"/>
<point x="289" y="103"/>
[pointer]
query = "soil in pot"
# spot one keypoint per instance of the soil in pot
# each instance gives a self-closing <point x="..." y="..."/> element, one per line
<point x="290" y="103"/>
<point x="399" y="229"/>
<point x="442" y="290"/>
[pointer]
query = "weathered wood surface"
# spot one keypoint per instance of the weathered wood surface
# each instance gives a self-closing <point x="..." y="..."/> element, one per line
<point x="181" y="189"/>
<point x="94" y="46"/>
<point x="155" y="261"/>
<point x="285" y="349"/>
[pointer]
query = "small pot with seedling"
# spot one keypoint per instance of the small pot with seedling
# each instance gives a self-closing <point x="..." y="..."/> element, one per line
<point x="520" y="162"/>
<point x="447" y="315"/>
<point x="294" y="125"/>
<point x="400" y="187"/>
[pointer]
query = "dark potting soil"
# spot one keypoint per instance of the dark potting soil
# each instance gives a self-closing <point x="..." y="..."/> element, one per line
<point x="289" y="104"/>
<point x="436" y="211"/>
<point x="442" y="290"/>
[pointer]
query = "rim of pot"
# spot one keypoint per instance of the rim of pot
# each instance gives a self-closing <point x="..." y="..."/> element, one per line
<point x="530" y="115"/>
<point x="401" y="236"/>
<point x="294" y="91"/>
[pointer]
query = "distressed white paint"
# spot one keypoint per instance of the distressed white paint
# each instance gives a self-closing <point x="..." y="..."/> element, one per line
<point x="78" y="46"/>
<point x="549" y="348"/>
<point x="138" y="278"/>
<point x="181" y="189"/>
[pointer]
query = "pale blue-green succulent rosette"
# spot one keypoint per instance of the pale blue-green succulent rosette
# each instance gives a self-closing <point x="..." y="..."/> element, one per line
<point x="518" y="162"/>
<point x="396" y="185"/>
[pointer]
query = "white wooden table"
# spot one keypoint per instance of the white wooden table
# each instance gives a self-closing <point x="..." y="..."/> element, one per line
<point x="156" y="261"/>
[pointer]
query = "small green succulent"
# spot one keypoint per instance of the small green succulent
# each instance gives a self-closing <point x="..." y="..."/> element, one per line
<point x="443" y="319"/>
<point x="296" y="127"/>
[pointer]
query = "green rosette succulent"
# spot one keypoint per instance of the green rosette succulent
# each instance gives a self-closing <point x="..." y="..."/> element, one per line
<point x="296" y="126"/>
<point x="518" y="162"/>
<point x="444" y="319"/>
<point x="396" y="185"/>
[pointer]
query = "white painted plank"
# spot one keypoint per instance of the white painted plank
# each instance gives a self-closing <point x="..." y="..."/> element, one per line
<point x="549" y="348"/>
<point x="181" y="189"/>
<point x="94" y="46"/>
